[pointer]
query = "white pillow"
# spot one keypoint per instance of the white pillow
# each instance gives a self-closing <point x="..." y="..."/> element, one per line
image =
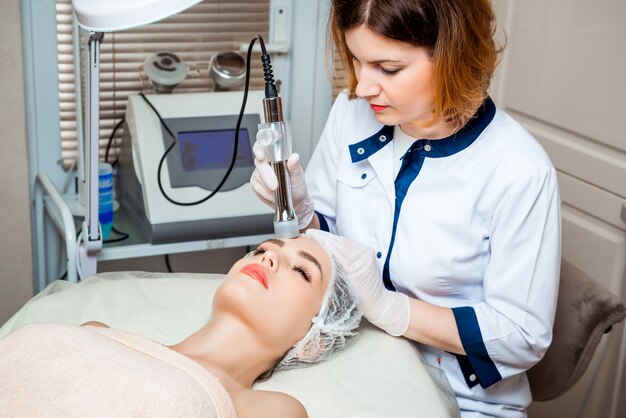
<point x="378" y="376"/>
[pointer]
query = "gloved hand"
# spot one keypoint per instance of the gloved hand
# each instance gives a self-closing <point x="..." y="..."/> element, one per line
<point x="388" y="310"/>
<point x="264" y="183"/>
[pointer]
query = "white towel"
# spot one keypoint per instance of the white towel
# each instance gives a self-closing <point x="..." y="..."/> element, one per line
<point x="51" y="370"/>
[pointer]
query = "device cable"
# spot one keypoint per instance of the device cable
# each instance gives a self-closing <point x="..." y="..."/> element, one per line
<point x="106" y="153"/>
<point x="167" y="263"/>
<point x="237" y="128"/>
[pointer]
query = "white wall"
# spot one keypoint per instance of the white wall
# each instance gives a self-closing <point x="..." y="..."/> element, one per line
<point x="16" y="283"/>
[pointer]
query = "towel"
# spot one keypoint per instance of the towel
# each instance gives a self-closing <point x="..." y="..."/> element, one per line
<point x="52" y="370"/>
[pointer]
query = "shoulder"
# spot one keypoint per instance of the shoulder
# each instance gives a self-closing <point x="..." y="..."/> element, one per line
<point x="351" y="120"/>
<point x="510" y="152"/>
<point x="94" y="324"/>
<point x="346" y="110"/>
<point x="259" y="404"/>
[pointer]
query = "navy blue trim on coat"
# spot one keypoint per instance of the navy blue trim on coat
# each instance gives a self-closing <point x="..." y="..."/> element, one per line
<point x="418" y="152"/>
<point x="365" y="148"/>
<point x="323" y="222"/>
<point x="476" y="365"/>
<point x="437" y="148"/>
<point x="412" y="162"/>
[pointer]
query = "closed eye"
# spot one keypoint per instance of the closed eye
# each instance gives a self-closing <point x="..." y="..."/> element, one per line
<point x="303" y="272"/>
<point x="390" y="71"/>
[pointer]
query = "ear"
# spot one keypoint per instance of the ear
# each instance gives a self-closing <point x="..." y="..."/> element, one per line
<point x="313" y="347"/>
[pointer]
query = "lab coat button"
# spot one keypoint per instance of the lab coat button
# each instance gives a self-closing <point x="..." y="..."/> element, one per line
<point x="363" y="176"/>
<point x="382" y="138"/>
<point x="360" y="151"/>
<point x="378" y="254"/>
<point x="472" y="377"/>
<point x="427" y="147"/>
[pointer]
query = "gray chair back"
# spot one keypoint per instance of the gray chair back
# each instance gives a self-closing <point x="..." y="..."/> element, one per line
<point x="586" y="310"/>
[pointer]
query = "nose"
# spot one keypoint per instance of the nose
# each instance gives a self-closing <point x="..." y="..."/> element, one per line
<point x="269" y="259"/>
<point x="367" y="83"/>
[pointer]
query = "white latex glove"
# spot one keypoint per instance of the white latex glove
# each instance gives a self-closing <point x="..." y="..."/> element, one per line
<point x="388" y="310"/>
<point x="264" y="183"/>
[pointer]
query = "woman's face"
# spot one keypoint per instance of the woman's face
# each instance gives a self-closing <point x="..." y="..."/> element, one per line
<point x="396" y="78"/>
<point x="278" y="290"/>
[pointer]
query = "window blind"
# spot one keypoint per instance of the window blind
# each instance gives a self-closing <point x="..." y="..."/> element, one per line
<point x="194" y="35"/>
<point x="339" y="77"/>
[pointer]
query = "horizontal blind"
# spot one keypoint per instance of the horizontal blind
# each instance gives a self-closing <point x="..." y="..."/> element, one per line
<point x="194" y="35"/>
<point x="339" y="76"/>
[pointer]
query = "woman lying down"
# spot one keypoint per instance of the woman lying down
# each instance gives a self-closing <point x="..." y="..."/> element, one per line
<point x="285" y="306"/>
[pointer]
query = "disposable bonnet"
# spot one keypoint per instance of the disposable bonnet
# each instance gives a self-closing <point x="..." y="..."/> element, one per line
<point x="333" y="328"/>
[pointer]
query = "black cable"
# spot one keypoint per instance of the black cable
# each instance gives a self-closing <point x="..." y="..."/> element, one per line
<point x="268" y="74"/>
<point x="237" y="127"/>
<point x="106" y="153"/>
<point x="167" y="263"/>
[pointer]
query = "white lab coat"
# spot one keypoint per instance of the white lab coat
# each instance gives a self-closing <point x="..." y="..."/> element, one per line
<point x="472" y="223"/>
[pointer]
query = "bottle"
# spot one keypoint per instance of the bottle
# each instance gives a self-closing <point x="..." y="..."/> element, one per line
<point x="105" y="199"/>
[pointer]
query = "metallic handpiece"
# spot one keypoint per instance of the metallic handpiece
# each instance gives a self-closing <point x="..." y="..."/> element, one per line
<point x="275" y="136"/>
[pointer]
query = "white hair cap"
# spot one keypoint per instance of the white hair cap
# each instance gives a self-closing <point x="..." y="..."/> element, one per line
<point x="333" y="328"/>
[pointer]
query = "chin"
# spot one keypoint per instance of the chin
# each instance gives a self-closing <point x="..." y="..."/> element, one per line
<point x="389" y="119"/>
<point x="236" y="295"/>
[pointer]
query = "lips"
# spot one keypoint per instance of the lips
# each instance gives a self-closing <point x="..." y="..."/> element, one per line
<point x="378" y="108"/>
<point x="256" y="272"/>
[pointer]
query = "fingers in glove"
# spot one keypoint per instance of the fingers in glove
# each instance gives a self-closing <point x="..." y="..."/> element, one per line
<point x="265" y="175"/>
<point x="259" y="152"/>
<point x="261" y="190"/>
<point x="293" y="163"/>
<point x="353" y="254"/>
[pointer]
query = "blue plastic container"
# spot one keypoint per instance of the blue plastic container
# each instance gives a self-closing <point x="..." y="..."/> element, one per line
<point x="105" y="199"/>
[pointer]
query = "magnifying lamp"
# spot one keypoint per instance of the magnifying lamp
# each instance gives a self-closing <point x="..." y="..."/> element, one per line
<point x="98" y="17"/>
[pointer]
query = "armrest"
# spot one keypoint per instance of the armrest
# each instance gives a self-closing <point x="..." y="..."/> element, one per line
<point x="586" y="310"/>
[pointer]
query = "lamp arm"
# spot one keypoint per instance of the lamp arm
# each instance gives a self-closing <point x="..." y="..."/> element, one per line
<point x="91" y="236"/>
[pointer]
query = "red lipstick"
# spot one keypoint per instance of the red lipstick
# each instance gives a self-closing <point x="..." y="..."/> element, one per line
<point x="378" y="108"/>
<point x="256" y="272"/>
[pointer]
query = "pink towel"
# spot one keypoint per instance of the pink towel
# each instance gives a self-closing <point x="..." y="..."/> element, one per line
<point x="50" y="370"/>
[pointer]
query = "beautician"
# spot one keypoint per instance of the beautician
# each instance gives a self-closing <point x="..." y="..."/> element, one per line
<point x="458" y="201"/>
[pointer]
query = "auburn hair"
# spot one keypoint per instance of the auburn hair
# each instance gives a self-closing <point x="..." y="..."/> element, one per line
<point x="458" y="35"/>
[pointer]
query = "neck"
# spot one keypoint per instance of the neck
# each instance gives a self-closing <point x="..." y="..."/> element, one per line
<point x="436" y="131"/>
<point x="230" y="350"/>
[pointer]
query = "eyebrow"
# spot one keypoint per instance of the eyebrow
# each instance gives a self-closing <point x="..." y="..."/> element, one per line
<point x="275" y="242"/>
<point x="304" y="254"/>
<point x="387" y="60"/>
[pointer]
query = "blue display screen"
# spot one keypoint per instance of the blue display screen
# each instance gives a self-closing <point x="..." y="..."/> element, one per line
<point x="210" y="150"/>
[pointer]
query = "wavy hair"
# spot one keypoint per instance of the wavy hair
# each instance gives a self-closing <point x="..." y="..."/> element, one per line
<point x="458" y="35"/>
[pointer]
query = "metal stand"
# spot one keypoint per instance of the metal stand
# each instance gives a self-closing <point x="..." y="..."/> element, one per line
<point x="91" y="238"/>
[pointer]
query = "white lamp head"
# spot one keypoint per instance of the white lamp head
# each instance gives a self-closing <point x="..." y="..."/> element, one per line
<point x="117" y="15"/>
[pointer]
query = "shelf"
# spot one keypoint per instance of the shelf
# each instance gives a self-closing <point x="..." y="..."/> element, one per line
<point x="137" y="245"/>
<point x="49" y="202"/>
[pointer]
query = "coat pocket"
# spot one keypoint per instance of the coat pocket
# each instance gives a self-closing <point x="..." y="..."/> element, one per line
<point x="356" y="175"/>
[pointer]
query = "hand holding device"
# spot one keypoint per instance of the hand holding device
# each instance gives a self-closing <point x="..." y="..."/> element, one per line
<point x="388" y="310"/>
<point x="265" y="183"/>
